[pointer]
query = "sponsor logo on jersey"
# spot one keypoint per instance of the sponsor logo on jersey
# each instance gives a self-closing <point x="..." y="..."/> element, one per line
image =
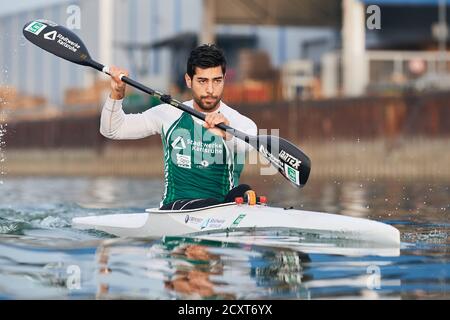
<point x="205" y="164"/>
<point x="204" y="147"/>
<point x="183" y="161"/>
<point x="179" y="144"/>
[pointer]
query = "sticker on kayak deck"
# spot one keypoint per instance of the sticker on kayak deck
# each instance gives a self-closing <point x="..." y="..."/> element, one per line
<point x="51" y="35"/>
<point x="212" y="223"/>
<point x="192" y="220"/>
<point x="36" y="27"/>
<point x="292" y="174"/>
<point x="237" y="221"/>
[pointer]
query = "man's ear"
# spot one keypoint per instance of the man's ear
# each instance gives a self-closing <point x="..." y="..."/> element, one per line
<point x="188" y="80"/>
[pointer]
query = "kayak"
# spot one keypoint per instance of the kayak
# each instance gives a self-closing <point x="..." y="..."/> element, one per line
<point x="232" y="218"/>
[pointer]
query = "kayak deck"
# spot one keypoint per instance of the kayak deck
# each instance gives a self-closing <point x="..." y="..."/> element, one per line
<point x="231" y="218"/>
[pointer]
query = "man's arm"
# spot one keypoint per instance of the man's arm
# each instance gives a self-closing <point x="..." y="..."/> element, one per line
<point x="115" y="124"/>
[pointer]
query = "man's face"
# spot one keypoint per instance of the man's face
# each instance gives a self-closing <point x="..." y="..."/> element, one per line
<point x="207" y="87"/>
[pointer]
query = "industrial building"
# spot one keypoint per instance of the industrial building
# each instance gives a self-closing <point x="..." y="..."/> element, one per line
<point x="142" y="35"/>
<point x="293" y="45"/>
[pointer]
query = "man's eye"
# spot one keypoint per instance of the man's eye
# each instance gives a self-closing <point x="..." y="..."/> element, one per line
<point x="218" y="80"/>
<point x="202" y="81"/>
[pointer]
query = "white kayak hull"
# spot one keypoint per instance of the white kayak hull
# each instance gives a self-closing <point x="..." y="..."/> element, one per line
<point x="231" y="217"/>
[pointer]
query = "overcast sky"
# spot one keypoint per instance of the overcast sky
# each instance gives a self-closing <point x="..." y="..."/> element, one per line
<point x="14" y="6"/>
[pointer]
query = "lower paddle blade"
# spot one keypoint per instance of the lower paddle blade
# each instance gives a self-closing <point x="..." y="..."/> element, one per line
<point x="57" y="40"/>
<point x="290" y="161"/>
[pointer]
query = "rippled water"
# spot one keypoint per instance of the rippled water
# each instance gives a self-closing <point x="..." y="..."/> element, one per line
<point x="41" y="256"/>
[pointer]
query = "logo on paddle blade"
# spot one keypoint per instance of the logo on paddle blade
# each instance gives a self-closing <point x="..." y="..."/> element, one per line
<point x="292" y="174"/>
<point x="275" y="161"/>
<point x="51" y="35"/>
<point x="290" y="159"/>
<point x="36" y="27"/>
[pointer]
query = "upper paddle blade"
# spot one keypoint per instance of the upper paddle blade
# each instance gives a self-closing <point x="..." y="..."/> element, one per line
<point x="57" y="40"/>
<point x="290" y="161"/>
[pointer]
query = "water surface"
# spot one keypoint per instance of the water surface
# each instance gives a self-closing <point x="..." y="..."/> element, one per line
<point x="42" y="257"/>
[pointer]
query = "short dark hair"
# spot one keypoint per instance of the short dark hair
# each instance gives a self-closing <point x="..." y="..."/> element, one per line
<point x="206" y="56"/>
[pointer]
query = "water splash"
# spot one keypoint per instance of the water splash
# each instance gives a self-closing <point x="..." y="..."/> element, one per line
<point x="3" y="131"/>
<point x="428" y="235"/>
<point x="4" y="105"/>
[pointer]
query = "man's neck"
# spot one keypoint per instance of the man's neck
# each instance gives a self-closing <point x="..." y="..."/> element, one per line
<point x="198" y="108"/>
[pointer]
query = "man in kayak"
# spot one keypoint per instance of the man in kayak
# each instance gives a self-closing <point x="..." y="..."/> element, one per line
<point x="202" y="163"/>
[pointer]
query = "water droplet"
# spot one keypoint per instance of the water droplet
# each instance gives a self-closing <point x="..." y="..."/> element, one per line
<point x="22" y="41"/>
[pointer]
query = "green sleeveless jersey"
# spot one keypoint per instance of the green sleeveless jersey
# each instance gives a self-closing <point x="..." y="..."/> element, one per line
<point x="197" y="163"/>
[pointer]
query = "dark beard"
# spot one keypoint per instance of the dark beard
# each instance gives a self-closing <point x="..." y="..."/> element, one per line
<point x="205" y="107"/>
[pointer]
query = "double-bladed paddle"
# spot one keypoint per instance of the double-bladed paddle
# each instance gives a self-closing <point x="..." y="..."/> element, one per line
<point x="290" y="161"/>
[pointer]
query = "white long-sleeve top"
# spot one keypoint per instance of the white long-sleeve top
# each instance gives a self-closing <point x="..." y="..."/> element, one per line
<point x="197" y="163"/>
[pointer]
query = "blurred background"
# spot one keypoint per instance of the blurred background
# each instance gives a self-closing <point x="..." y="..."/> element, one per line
<point x="361" y="86"/>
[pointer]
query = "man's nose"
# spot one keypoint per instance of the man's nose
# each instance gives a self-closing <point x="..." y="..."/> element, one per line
<point x="209" y="88"/>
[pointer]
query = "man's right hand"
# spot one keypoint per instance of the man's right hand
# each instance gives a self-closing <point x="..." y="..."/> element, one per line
<point x="117" y="86"/>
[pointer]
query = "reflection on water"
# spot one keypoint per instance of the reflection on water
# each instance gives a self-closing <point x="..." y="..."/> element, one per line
<point x="42" y="257"/>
